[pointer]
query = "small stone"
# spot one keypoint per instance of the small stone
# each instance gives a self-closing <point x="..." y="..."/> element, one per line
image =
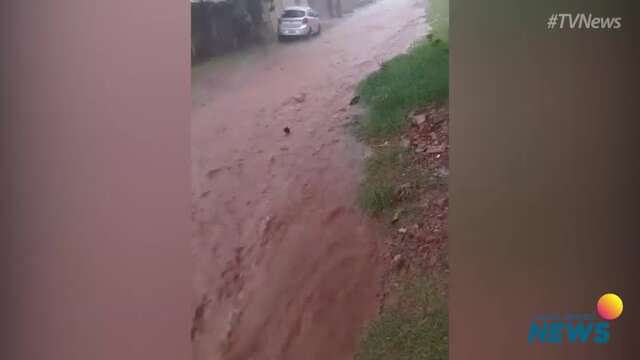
<point x="436" y="149"/>
<point x="417" y="119"/>
<point x="402" y="230"/>
<point x="397" y="262"/>
<point x="404" y="189"/>
<point x="443" y="172"/>
<point x="420" y="148"/>
<point x="438" y="119"/>
<point x="396" y="216"/>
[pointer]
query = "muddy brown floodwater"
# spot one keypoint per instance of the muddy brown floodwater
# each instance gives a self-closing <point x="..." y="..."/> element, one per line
<point x="285" y="262"/>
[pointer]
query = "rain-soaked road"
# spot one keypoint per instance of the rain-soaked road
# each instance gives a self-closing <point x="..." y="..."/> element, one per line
<point x="287" y="261"/>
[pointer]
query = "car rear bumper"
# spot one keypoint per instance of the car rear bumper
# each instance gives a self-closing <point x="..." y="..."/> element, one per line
<point x="301" y="31"/>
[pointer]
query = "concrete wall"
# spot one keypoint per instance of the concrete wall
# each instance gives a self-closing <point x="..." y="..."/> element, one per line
<point x="221" y="26"/>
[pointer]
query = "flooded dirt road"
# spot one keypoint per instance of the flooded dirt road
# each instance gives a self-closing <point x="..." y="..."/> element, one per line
<point x="286" y="265"/>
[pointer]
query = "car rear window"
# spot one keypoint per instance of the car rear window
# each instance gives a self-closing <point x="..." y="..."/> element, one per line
<point x="293" y="14"/>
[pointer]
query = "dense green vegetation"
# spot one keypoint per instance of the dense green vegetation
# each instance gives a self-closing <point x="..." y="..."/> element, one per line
<point x="402" y="84"/>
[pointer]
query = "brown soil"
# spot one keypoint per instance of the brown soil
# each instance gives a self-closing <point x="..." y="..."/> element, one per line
<point x="417" y="243"/>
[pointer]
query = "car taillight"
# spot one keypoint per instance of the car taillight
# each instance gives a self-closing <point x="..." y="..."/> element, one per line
<point x="305" y="20"/>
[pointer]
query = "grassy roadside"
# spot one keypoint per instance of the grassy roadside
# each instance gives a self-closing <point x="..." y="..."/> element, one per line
<point x="405" y="186"/>
<point x="403" y="84"/>
<point x="438" y="18"/>
<point x="414" y="328"/>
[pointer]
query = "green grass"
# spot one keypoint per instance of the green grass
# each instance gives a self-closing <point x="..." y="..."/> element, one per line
<point x="376" y="197"/>
<point x="438" y="18"/>
<point x="387" y="161"/>
<point x="382" y="171"/>
<point x="402" y="84"/>
<point x="415" y="328"/>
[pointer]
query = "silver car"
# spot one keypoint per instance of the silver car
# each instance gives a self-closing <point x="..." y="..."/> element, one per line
<point x="298" y="21"/>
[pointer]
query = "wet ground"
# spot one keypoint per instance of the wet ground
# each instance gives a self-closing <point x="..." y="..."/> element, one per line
<point x="287" y="266"/>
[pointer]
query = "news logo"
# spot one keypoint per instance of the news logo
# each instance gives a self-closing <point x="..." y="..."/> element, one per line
<point x="609" y="306"/>
<point x="552" y="329"/>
